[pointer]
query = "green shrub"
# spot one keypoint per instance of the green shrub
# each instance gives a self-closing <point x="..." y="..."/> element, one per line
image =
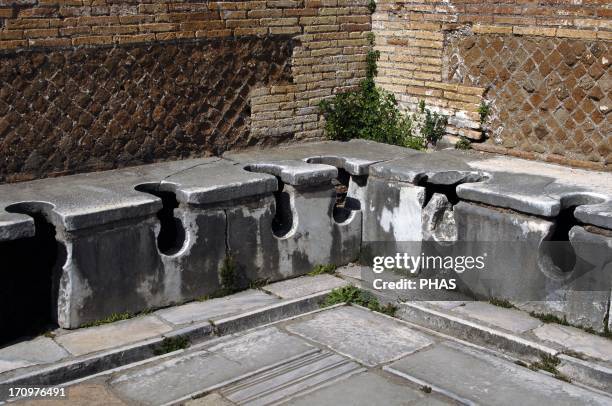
<point x="484" y="110"/>
<point x="434" y="127"/>
<point x="372" y="6"/>
<point x="368" y="113"/>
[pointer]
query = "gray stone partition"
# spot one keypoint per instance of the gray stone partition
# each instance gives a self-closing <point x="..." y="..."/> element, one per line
<point x="81" y="248"/>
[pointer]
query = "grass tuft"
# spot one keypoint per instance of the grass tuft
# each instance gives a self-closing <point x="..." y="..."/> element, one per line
<point x="110" y="319"/>
<point x="501" y="303"/>
<point x="322" y="269"/>
<point x="352" y="294"/>
<point x="171" y="344"/>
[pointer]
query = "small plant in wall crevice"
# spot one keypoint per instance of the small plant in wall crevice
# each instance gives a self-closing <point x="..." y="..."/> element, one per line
<point x="372" y="113"/>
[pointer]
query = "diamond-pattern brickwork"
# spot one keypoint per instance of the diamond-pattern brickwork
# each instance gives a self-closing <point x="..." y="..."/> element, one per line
<point x="81" y="109"/>
<point x="549" y="95"/>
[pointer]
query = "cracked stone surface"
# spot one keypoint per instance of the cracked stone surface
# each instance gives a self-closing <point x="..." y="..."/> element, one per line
<point x="295" y="172"/>
<point x="576" y="340"/>
<point x="37" y="351"/>
<point x="439" y="168"/>
<point x="183" y="375"/>
<point x="478" y="377"/>
<point x="217" y="308"/>
<point x="363" y="335"/>
<point x="111" y="335"/>
<point x="368" y="389"/>
<point x="304" y="286"/>
<point x="355" y="156"/>
<point x="508" y="319"/>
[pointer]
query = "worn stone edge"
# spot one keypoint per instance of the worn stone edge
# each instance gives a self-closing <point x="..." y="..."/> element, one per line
<point x="585" y="372"/>
<point x="117" y="357"/>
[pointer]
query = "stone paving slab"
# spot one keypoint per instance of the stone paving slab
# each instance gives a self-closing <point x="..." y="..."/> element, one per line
<point x="363" y="335"/>
<point x="304" y="286"/>
<point x="476" y="376"/>
<point x="188" y="373"/>
<point x="350" y="271"/>
<point x="37" y="351"/>
<point x="367" y="389"/>
<point x="290" y="378"/>
<point x="217" y="308"/>
<point x="508" y="319"/>
<point x="116" y="334"/>
<point x="576" y="340"/>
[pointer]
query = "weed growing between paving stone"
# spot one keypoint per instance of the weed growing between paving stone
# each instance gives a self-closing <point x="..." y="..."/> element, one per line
<point x="110" y="319"/>
<point x="172" y="344"/>
<point x="258" y="283"/>
<point x="323" y="269"/>
<point x="425" y="388"/>
<point x="501" y="303"/>
<point x="352" y="294"/>
<point x="551" y="318"/>
<point x="549" y="363"/>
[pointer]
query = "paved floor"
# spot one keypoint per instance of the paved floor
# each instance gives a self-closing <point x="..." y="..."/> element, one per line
<point x="339" y="356"/>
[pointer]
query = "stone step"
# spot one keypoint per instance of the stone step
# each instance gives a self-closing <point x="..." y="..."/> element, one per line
<point x="369" y="388"/>
<point x="187" y="375"/>
<point x="583" y="356"/>
<point x="475" y="377"/>
<point x="84" y="352"/>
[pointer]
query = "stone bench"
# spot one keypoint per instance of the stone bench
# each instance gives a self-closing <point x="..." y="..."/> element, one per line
<point x="445" y="197"/>
<point x="146" y="237"/>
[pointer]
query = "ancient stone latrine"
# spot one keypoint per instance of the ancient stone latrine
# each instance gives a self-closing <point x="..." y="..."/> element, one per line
<point x="543" y="67"/>
<point x="144" y="237"/>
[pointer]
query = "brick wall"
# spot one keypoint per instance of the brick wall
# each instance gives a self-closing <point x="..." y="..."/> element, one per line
<point x="97" y="84"/>
<point x="544" y="67"/>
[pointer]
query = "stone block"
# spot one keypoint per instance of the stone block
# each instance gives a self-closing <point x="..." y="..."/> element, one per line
<point x="93" y="339"/>
<point x="304" y="286"/>
<point x="509" y="242"/>
<point x="37" y="351"/>
<point x="491" y="380"/>
<point x="181" y="376"/>
<point x="216" y="308"/>
<point x="363" y="335"/>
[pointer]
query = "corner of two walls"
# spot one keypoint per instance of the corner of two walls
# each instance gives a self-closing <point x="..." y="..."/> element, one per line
<point x="543" y="69"/>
